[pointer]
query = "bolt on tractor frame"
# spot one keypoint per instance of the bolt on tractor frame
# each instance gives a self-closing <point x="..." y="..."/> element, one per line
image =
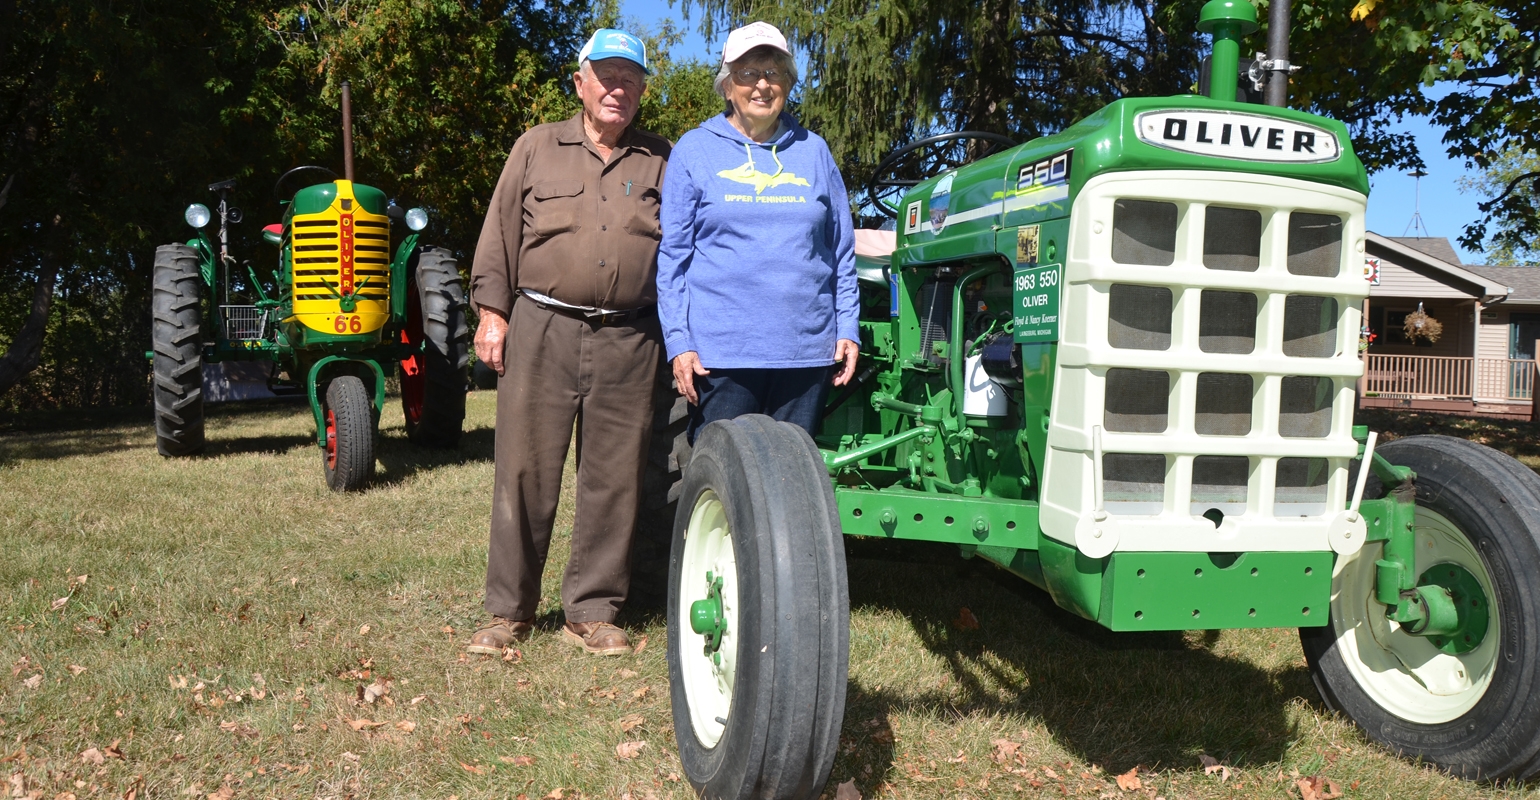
<point x="1119" y="362"/>
<point x="340" y="309"/>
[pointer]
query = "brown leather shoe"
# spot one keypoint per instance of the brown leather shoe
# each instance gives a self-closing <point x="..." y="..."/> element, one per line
<point x="490" y="639"/>
<point x="599" y="638"/>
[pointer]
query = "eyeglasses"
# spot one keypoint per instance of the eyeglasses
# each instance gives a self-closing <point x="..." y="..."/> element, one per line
<point x="748" y="76"/>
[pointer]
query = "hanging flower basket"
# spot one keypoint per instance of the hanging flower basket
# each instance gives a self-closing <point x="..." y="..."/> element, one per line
<point x="1419" y="325"/>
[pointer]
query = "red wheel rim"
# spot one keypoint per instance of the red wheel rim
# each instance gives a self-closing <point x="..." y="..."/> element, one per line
<point x="331" y="439"/>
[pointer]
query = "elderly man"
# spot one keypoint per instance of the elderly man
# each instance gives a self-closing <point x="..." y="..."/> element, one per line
<point x="563" y="280"/>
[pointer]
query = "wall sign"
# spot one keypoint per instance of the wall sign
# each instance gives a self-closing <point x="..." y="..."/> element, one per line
<point x="1034" y="290"/>
<point x="1372" y="270"/>
<point x="1233" y="134"/>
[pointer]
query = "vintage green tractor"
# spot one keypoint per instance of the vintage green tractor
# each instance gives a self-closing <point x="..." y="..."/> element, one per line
<point x="1120" y="363"/>
<point x="340" y="308"/>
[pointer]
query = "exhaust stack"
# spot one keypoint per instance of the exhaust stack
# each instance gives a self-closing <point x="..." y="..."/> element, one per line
<point x="347" y="129"/>
<point x="1228" y="21"/>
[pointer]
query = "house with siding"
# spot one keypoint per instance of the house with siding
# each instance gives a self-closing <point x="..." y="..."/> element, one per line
<point x="1484" y="360"/>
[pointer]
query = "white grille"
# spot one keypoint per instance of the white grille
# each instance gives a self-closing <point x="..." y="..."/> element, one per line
<point x="1204" y="354"/>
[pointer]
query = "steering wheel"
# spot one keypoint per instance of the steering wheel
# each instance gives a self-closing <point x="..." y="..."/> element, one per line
<point x="278" y="192"/>
<point x="907" y="166"/>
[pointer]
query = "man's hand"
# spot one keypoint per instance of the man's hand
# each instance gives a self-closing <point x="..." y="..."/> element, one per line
<point x="490" y="335"/>
<point x="686" y="367"/>
<point x="846" y="351"/>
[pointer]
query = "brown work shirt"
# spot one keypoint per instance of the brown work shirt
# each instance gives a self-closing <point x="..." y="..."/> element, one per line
<point x="570" y="226"/>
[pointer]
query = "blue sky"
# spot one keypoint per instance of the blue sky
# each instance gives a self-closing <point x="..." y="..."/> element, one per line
<point x="1392" y="197"/>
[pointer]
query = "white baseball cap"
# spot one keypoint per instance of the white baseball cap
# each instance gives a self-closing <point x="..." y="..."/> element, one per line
<point x="750" y="36"/>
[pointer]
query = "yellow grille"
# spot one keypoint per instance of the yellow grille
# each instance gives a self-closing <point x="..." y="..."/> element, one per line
<point x="340" y="251"/>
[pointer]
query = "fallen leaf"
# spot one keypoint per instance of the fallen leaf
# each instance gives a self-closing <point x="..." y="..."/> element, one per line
<point x="58" y="604"/>
<point x="240" y="729"/>
<point x="640" y="693"/>
<point x="474" y="770"/>
<point x="554" y="795"/>
<point x="958" y="759"/>
<point x="298" y="726"/>
<point x="1005" y="750"/>
<point x="512" y="655"/>
<point x="847" y="791"/>
<point x="630" y="722"/>
<point x="1129" y="781"/>
<point x="965" y="620"/>
<point x="1315" y="787"/>
<point x="375" y="691"/>
<point x="225" y="793"/>
<point x="76" y="669"/>
<point x="363" y="631"/>
<point x="628" y="673"/>
<point x="517" y="761"/>
<point x="348" y="755"/>
<point x="883" y="736"/>
<point x="34" y="681"/>
<point x="93" y="757"/>
<point x="629" y="750"/>
<point x="358" y="724"/>
<point x="641" y="644"/>
<point x="113" y="751"/>
<point x="1211" y="766"/>
<point x="446" y="629"/>
<point x="406" y="726"/>
<point x="81" y="580"/>
<point x="18" y="785"/>
<point x="418" y="699"/>
<point x="1050" y="773"/>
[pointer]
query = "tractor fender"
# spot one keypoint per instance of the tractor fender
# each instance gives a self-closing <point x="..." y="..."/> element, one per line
<point x="313" y="382"/>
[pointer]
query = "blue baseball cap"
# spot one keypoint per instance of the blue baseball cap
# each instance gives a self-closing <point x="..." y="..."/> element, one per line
<point x="612" y="43"/>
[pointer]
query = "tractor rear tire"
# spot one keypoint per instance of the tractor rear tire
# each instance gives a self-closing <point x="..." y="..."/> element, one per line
<point x="177" y="342"/>
<point x="433" y="400"/>
<point x="349" y="451"/>
<point x="1474" y="713"/>
<point x="757" y="540"/>
<point x="667" y="454"/>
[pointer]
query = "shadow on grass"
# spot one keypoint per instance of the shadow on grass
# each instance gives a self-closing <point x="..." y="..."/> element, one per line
<point x="43" y="435"/>
<point x="1117" y="700"/>
<point x="1517" y="438"/>
<point x="401" y="459"/>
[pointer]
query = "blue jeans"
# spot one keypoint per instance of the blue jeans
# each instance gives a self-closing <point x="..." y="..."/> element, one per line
<point x="789" y="395"/>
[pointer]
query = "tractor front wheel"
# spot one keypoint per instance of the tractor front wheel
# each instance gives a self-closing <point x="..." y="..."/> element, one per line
<point x="1468" y="702"/>
<point x="349" y="448"/>
<point x="433" y="379"/>
<point x="177" y="342"/>
<point x="758" y="614"/>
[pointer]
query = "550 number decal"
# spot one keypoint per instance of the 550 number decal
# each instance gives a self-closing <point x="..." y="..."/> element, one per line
<point x="1030" y="280"/>
<point x="347" y="323"/>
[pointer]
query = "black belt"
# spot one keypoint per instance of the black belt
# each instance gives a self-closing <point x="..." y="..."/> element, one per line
<point x="597" y="317"/>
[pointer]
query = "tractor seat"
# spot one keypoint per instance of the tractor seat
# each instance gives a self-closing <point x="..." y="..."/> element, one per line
<point x="273" y="233"/>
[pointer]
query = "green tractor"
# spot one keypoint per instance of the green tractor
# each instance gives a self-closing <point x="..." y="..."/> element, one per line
<point x="341" y="308"/>
<point x="1118" y="362"/>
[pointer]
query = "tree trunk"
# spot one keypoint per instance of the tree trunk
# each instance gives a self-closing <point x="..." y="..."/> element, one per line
<point x="27" y="348"/>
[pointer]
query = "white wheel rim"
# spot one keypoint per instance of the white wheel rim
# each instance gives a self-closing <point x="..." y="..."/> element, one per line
<point x="708" y="686"/>
<point x="1405" y="674"/>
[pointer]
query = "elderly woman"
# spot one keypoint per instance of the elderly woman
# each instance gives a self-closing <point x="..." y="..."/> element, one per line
<point x="756" y="269"/>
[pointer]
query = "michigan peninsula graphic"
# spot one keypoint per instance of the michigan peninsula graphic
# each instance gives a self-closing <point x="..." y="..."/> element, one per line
<point x="759" y="180"/>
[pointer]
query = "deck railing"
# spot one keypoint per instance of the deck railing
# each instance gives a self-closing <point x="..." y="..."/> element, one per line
<point x="1447" y="377"/>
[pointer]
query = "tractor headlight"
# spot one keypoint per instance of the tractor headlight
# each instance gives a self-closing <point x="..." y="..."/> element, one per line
<point x="417" y="219"/>
<point x="197" y="215"/>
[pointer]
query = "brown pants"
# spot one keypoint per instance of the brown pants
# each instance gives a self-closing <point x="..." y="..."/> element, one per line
<point x="557" y="371"/>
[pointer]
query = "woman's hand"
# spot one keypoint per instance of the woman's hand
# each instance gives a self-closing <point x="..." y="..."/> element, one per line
<point x="686" y="367"/>
<point x="846" y="351"/>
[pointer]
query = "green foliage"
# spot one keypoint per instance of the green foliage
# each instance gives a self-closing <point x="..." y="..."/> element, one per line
<point x="1513" y="244"/>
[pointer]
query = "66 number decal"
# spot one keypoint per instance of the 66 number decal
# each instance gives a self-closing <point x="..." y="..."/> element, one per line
<point x="347" y="323"/>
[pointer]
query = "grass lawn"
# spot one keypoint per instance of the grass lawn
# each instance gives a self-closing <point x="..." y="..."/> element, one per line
<point x="224" y="626"/>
